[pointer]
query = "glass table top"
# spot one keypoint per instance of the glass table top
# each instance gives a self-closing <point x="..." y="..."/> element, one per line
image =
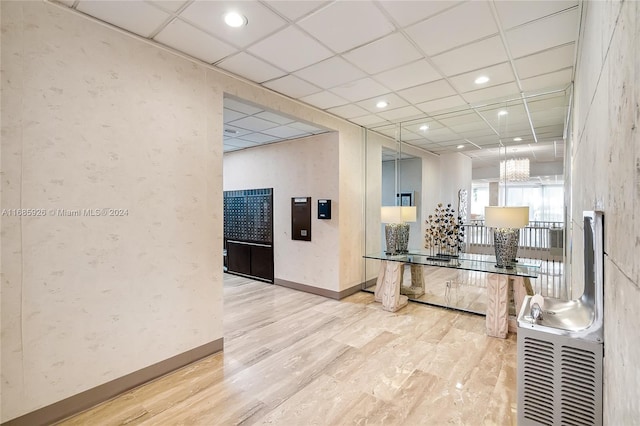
<point x="469" y="262"/>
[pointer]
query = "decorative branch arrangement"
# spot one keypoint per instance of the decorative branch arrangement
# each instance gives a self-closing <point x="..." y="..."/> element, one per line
<point x="445" y="234"/>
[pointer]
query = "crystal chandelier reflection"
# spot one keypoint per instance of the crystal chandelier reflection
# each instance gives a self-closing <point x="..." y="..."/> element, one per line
<point x="514" y="170"/>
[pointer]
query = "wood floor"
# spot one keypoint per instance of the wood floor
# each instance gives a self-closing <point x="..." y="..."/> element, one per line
<point x="292" y="358"/>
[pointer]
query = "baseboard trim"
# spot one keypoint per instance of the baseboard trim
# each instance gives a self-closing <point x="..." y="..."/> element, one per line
<point x="337" y="295"/>
<point x="89" y="398"/>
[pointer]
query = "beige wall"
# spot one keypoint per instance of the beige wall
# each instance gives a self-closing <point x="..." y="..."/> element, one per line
<point x="605" y="175"/>
<point x="299" y="168"/>
<point x="93" y="119"/>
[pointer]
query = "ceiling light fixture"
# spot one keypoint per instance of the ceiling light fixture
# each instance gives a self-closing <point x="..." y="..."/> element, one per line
<point x="482" y="79"/>
<point x="460" y="146"/>
<point x="517" y="139"/>
<point x="514" y="170"/>
<point x="502" y="112"/>
<point x="424" y="127"/>
<point x="382" y="104"/>
<point x="235" y="20"/>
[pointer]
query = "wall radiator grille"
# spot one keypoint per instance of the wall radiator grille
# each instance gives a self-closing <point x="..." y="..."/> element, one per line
<point x="559" y="380"/>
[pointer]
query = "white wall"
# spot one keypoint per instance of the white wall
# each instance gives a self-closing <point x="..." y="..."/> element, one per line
<point x="455" y="174"/>
<point x="409" y="180"/>
<point x="311" y="166"/>
<point x="605" y="175"/>
<point x="93" y="119"/>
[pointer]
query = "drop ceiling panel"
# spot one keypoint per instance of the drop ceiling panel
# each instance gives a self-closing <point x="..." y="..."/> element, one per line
<point x="293" y="86"/>
<point x="188" y="39"/>
<point x="347" y="24"/>
<point x="243" y="107"/>
<point x="388" y="52"/>
<point x="400" y="114"/>
<point x="275" y="118"/>
<point x="209" y="15"/>
<point x="168" y="5"/>
<point x="409" y="12"/>
<point x="349" y="111"/>
<point x="415" y="126"/>
<point x="294" y="10"/>
<point x="250" y="67"/>
<point x="514" y="13"/>
<point x="290" y="49"/>
<point x="239" y="143"/>
<point x="441" y="104"/>
<point x="324" y="100"/>
<point x="545" y="62"/>
<point x="330" y="73"/>
<point x="497" y="74"/>
<point x="442" y="135"/>
<point x="474" y="56"/>
<point x="408" y="75"/>
<point x="426" y="92"/>
<point x="360" y="89"/>
<point x="368" y="121"/>
<point x="259" y="138"/>
<point x="462" y="24"/>
<point x="230" y="115"/>
<point x="392" y="99"/>
<point x="555" y="80"/>
<point x="307" y="128"/>
<point x="137" y="17"/>
<point x="285" y="132"/>
<point x="495" y="93"/>
<point x="254" y="124"/>
<point x="543" y="34"/>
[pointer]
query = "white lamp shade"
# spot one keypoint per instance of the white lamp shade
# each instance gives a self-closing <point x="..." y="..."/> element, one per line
<point x="398" y="214"/>
<point x="506" y="217"/>
<point x="409" y="213"/>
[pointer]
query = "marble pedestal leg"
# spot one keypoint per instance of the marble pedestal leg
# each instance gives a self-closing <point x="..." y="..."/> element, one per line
<point x="417" y="282"/>
<point x="389" y="290"/>
<point x="497" y="305"/>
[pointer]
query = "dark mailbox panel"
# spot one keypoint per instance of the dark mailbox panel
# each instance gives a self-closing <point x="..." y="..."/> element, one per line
<point x="301" y="218"/>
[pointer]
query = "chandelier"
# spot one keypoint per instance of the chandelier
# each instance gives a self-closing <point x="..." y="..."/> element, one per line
<point x="514" y="170"/>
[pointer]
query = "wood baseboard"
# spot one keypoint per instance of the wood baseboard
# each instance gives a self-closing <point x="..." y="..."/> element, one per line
<point x="337" y="295"/>
<point x="89" y="398"/>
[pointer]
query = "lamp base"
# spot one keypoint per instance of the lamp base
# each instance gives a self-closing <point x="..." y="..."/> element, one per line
<point x="505" y="241"/>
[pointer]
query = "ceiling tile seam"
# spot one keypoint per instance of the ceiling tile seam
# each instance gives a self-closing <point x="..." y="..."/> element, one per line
<point x="541" y="18"/>
<point x="172" y="16"/>
<point x="230" y="56"/>
<point x="575" y="47"/>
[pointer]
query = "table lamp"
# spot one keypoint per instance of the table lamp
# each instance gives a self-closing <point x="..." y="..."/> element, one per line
<point x="506" y="222"/>
<point x="396" y="229"/>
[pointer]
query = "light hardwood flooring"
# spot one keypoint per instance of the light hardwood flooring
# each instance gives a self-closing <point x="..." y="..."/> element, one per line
<point x="292" y="358"/>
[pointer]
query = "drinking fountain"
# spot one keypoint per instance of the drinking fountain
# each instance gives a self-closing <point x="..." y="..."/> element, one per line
<point x="561" y="346"/>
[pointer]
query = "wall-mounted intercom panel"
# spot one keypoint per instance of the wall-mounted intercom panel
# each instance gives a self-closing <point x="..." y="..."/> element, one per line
<point x="324" y="209"/>
<point x="301" y="218"/>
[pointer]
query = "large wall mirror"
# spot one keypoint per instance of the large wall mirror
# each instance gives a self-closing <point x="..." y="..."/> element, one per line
<point x="435" y="157"/>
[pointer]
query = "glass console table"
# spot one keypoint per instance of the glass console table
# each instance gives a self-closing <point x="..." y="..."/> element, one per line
<point x="393" y="295"/>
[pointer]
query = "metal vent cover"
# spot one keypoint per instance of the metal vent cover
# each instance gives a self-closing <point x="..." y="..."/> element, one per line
<point x="559" y="380"/>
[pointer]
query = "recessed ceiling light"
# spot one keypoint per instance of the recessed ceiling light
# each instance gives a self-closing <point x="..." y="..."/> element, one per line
<point x="382" y="104"/>
<point x="235" y="20"/>
<point x="460" y="146"/>
<point x="517" y="139"/>
<point x="424" y="127"/>
<point x="482" y="79"/>
<point x="502" y="112"/>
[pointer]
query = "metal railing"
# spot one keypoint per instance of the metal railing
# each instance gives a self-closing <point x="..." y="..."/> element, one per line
<point x="540" y="240"/>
